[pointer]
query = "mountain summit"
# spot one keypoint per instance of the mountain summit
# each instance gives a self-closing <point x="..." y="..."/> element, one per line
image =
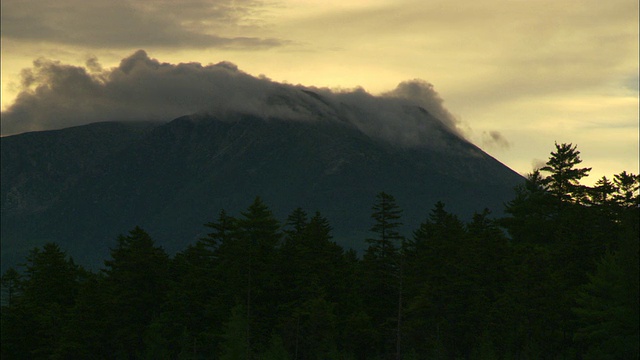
<point x="82" y="186"/>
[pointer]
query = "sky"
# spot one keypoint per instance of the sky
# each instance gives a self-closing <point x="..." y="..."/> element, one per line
<point x="516" y="75"/>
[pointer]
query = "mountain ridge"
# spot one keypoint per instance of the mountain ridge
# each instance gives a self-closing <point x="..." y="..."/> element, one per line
<point x="96" y="181"/>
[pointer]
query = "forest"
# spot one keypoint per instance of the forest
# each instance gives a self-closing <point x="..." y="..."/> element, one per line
<point x="556" y="277"/>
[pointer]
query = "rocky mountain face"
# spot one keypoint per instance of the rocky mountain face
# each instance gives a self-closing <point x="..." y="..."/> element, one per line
<point x="82" y="186"/>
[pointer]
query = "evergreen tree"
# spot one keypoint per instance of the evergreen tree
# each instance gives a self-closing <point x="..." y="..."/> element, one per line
<point x="295" y="224"/>
<point x="86" y="331"/>
<point x="608" y="312"/>
<point x="532" y="212"/>
<point x="602" y="192"/>
<point x="194" y="306"/>
<point x="223" y="230"/>
<point x="32" y="325"/>
<point x="627" y="185"/>
<point x="293" y="262"/>
<point x="382" y="273"/>
<point x="230" y="261"/>
<point x="560" y="229"/>
<point x="206" y="280"/>
<point x="137" y="281"/>
<point x="432" y="273"/>
<point x="10" y="286"/>
<point x="483" y="261"/>
<point x="259" y="233"/>
<point x="386" y="215"/>
<point x="317" y="330"/>
<point x="563" y="181"/>
<point x="315" y="271"/>
<point x="235" y="343"/>
<point x="564" y="284"/>
<point x="50" y="277"/>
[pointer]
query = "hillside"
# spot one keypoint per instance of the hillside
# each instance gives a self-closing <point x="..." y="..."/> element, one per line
<point x="82" y="186"/>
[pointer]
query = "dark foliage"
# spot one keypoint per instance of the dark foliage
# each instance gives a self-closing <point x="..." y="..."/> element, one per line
<point x="557" y="278"/>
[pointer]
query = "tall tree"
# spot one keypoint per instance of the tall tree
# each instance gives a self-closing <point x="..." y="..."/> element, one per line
<point x="223" y="230"/>
<point x="386" y="215"/>
<point x="137" y="281"/>
<point x="259" y="233"/>
<point x="602" y="192"/>
<point x="315" y="271"/>
<point x="32" y="326"/>
<point x="433" y="270"/>
<point x="381" y="267"/>
<point x="563" y="181"/>
<point x="627" y="185"/>
<point x="483" y="258"/>
<point x="531" y="212"/>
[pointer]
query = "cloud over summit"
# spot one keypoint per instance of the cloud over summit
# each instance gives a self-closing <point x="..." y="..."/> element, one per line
<point x="56" y="95"/>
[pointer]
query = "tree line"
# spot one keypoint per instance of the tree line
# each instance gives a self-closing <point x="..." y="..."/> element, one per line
<point x="555" y="278"/>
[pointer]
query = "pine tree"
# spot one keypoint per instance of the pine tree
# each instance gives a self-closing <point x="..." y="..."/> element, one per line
<point x="563" y="181"/>
<point x="602" y="192"/>
<point x="627" y="185"/>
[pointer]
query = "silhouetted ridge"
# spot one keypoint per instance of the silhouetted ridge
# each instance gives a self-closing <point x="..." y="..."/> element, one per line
<point x="83" y="186"/>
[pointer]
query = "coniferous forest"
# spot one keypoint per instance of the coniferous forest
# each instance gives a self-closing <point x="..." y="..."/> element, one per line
<point x="555" y="278"/>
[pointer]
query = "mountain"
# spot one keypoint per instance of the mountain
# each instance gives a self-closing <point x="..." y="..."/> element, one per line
<point x="82" y="186"/>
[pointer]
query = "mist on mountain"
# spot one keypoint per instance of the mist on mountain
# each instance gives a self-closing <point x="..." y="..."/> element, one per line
<point x="55" y="95"/>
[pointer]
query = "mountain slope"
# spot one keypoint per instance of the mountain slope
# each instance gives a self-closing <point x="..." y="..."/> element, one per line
<point x="83" y="186"/>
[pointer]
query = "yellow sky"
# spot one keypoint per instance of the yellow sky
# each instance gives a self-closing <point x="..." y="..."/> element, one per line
<point x="536" y="71"/>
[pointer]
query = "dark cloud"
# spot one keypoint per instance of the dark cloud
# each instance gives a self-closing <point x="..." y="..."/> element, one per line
<point x="56" y="95"/>
<point x="126" y="24"/>
<point x="423" y="94"/>
<point x="493" y="139"/>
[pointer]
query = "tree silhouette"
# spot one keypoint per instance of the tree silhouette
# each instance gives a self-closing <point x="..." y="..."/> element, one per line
<point x="563" y="181"/>
<point x="137" y="281"/>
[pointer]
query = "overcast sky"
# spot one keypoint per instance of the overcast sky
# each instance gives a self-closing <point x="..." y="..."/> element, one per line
<point x="516" y="74"/>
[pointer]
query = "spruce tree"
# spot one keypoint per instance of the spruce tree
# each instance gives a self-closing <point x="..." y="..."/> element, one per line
<point x="433" y="274"/>
<point x="137" y="281"/>
<point x="386" y="215"/>
<point x="33" y="323"/>
<point x="258" y="231"/>
<point x="382" y="273"/>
